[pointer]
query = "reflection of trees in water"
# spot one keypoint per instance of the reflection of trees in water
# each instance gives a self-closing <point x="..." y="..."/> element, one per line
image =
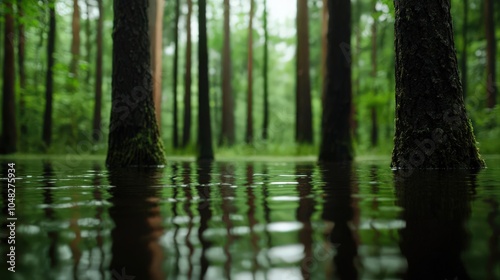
<point x="436" y="207"/>
<point x="204" y="210"/>
<point x="135" y="212"/>
<point x="493" y="240"/>
<point x="252" y="221"/>
<point x="48" y="201"/>
<point x="227" y="193"/>
<point x="338" y="208"/>
<point x="99" y="211"/>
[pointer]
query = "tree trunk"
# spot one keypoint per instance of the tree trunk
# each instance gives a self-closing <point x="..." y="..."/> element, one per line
<point x="88" y="42"/>
<point x="75" y="42"/>
<point x="432" y="127"/>
<point x="465" y="41"/>
<point x="22" y="72"/>
<point x="134" y="139"/>
<point x="97" y="130"/>
<point x="336" y="131"/>
<point x="49" y="80"/>
<point x="374" y="128"/>
<point x="204" y="130"/>
<point x="324" y="46"/>
<point x="156" y="36"/>
<point x="249" y="127"/>
<point x="9" y="129"/>
<point x="491" y="53"/>
<point x="303" y="113"/>
<point x="186" y="128"/>
<point x="265" y="126"/>
<point x="227" y="133"/>
<point x="176" y="62"/>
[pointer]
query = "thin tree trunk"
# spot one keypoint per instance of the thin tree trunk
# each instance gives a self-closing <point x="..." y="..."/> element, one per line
<point x="324" y="46"/>
<point x="134" y="138"/>
<point x="491" y="53"/>
<point x="303" y="112"/>
<point x="9" y="129"/>
<point x="265" y="126"/>
<point x="47" y="117"/>
<point x="22" y="72"/>
<point x="186" y="129"/>
<point x="374" y="128"/>
<point x="75" y="42"/>
<point x="465" y="42"/>
<point x="97" y="130"/>
<point x="204" y="130"/>
<point x="176" y="62"/>
<point x="432" y="126"/>
<point x="88" y="43"/>
<point x="227" y="133"/>
<point x="155" y="12"/>
<point x="336" y="142"/>
<point x="249" y="127"/>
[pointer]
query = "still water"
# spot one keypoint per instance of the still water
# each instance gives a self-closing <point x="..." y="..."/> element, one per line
<point x="251" y="220"/>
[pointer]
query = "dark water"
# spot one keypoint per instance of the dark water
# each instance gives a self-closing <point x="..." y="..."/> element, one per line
<point x="252" y="220"/>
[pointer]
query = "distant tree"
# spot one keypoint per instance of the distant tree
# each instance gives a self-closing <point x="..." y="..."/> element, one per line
<point x="49" y="80"/>
<point x="186" y="128"/>
<point x="22" y="73"/>
<point x="156" y="36"/>
<point x="176" y="62"/>
<point x="465" y="42"/>
<point x="75" y="42"/>
<point x="9" y="129"/>
<point x="374" y="128"/>
<point x="249" y="127"/>
<point x="491" y="53"/>
<point x="432" y="127"/>
<point x="227" y="135"/>
<point x="134" y="139"/>
<point x="96" y="135"/>
<point x="303" y="111"/>
<point x="324" y="45"/>
<point x="88" y="41"/>
<point x="204" y="129"/>
<point x="265" y="125"/>
<point x="335" y="125"/>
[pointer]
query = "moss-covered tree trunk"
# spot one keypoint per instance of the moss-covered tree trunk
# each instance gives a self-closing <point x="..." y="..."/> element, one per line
<point x="432" y="127"/>
<point x="335" y="124"/>
<point x="134" y="138"/>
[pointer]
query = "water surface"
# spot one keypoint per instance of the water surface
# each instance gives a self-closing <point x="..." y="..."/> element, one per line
<point x="252" y="220"/>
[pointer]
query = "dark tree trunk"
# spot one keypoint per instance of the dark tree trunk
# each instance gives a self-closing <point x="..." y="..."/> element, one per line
<point x="432" y="127"/>
<point x="303" y="113"/>
<point x="186" y="128"/>
<point x="336" y="131"/>
<point x="374" y="128"/>
<point x="324" y="46"/>
<point x="465" y="41"/>
<point x="134" y="139"/>
<point x="49" y="89"/>
<point x="491" y="53"/>
<point x="22" y="72"/>
<point x="265" y="126"/>
<point x="75" y="42"/>
<point x="249" y="127"/>
<point x="9" y="129"/>
<point x="204" y="130"/>
<point x="227" y="132"/>
<point x="97" y="130"/>
<point x="176" y="62"/>
<point x="88" y="42"/>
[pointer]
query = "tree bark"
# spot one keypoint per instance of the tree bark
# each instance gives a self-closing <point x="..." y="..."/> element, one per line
<point x="134" y="138"/>
<point x="432" y="127"/>
<point x="324" y="46"/>
<point x="176" y="62"/>
<point x="465" y="41"/>
<point x="204" y="124"/>
<point x="186" y="128"/>
<point x="227" y="133"/>
<point x="336" y="143"/>
<point x="265" y="126"/>
<point x="249" y="127"/>
<point x="303" y="112"/>
<point x="491" y="53"/>
<point x="374" y="128"/>
<point x="49" y="80"/>
<point x="75" y="42"/>
<point x="22" y="72"/>
<point x="9" y="129"/>
<point x="97" y="129"/>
